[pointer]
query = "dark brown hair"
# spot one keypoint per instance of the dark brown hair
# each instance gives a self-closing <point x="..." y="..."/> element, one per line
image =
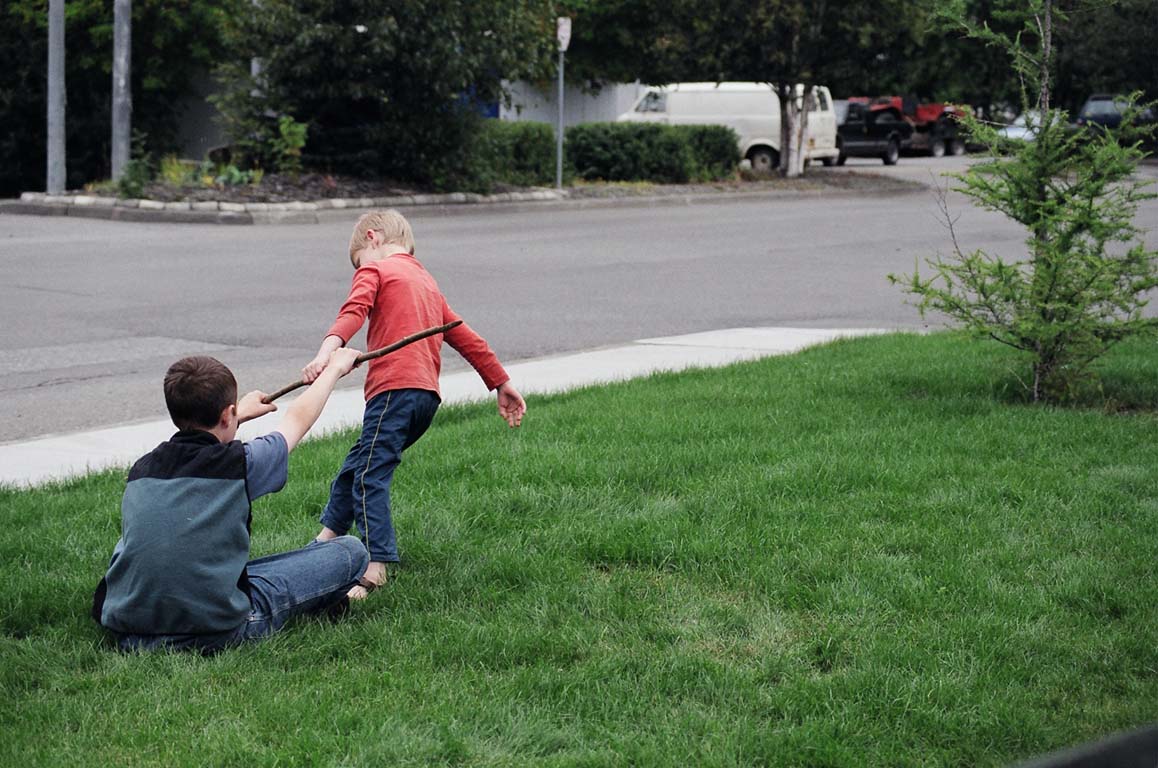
<point x="197" y="390"/>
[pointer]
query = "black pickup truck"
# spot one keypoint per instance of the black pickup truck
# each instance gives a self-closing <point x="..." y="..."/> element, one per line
<point x="864" y="131"/>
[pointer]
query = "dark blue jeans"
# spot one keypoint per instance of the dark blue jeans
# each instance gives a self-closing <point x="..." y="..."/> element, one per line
<point x="360" y="494"/>
<point x="305" y="581"/>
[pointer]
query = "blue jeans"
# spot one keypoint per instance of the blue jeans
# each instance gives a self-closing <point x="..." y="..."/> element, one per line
<point x="360" y="494"/>
<point x="304" y="581"/>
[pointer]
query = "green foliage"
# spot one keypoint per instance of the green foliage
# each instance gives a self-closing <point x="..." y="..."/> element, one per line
<point x="513" y="153"/>
<point x="137" y="172"/>
<point x="232" y="176"/>
<point x="177" y="172"/>
<point x="651" y="152"/>
<point x="858" y="48"/>
<point x="715" y="150"/>
<point x="287" y="145"/>
<point x="387" y="89"/>
<point x="1083" y="283"/>
<point x="173" y="41"/>
<point x="1103" y="49"/>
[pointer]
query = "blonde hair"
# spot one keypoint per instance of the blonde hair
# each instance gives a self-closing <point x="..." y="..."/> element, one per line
<point x="392" y="224"/>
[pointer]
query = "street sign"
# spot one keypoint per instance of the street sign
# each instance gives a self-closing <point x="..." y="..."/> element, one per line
<point x="563" y="31"/>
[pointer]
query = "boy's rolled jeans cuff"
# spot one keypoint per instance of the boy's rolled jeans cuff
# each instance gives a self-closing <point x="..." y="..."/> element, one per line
<point x="328" y="521"/>
<point x="384" y="556"/>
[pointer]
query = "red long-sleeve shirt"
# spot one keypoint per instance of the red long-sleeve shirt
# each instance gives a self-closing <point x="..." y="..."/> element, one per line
<point x="401" y="298"/>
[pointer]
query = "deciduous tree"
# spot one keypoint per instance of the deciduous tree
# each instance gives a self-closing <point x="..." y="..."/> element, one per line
<point x="173" y="41"/>
<point x="387" y="88"/>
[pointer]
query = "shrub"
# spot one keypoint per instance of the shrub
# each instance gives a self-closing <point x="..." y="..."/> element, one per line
<point x="287" y="145"/>
<point x="177" y="172"/>
<point x="519" y="154"/>
<point x="649" y="152"/>
<point x="716" y="149"/>
<point x="135" y="175"/>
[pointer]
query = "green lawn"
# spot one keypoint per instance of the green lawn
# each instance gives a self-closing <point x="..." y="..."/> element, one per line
<point x="867" y="553"/>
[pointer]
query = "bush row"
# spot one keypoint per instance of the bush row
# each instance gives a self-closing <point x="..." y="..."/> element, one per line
<point x="515" y="154"/>
<point x="651" y="152"/>
<point x="523" y="154"/>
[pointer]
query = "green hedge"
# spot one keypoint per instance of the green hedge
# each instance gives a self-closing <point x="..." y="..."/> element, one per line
<point x="651" y="152"/>
<point x="518" y="154"/>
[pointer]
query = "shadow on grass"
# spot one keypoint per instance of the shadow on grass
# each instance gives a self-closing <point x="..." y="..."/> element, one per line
<point x="1125" y="380"/>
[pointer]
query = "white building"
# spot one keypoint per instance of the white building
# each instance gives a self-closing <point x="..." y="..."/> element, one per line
<point x="528" y="103"/>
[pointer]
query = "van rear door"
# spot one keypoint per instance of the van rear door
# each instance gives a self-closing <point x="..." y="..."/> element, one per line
<point x="821" y="122"/>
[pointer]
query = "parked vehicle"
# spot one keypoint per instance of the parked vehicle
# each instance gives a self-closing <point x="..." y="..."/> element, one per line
<point x="867" y="131"/>
<point x="1023" y="127"/>
<point x="752" y="110"/>
<point x="1103" y="110"/>
<point x="936" y="130"/>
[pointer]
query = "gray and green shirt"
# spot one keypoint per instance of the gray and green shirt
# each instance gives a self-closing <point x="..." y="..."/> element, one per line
<point x="180" y="564"/>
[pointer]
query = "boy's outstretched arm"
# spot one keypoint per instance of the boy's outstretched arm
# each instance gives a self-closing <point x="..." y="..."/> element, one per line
<point x="511" y="403"/>
<point x="318" y="364"/>
<point x="304" y="411"/>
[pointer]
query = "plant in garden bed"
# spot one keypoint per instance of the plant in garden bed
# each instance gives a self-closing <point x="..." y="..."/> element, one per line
<point x="1085" y="280"/>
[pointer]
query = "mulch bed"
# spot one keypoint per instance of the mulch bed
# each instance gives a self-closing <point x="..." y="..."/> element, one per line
<point x="276" y="188"/>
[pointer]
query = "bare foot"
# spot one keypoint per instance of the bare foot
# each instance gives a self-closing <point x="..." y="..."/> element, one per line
<point x="375" y="574"/>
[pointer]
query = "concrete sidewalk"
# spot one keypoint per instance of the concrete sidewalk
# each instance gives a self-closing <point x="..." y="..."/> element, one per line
<point x="33" y="462"/>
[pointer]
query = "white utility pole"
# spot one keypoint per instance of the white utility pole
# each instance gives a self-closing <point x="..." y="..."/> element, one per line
<point x="54" y="184"/>
<point x="122" y="85"/>
<point x="563" y="34"/>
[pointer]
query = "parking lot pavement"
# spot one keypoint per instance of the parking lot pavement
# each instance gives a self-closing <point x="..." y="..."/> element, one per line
<point x="922" y="170"/>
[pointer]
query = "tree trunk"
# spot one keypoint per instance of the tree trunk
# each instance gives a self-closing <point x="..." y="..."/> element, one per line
<point x="800" y="149"/>
<point x="1045" y="24"/>
<point x="784" y="93"/>
<point x="122" y="86"/>
<point x="55" y="172"/>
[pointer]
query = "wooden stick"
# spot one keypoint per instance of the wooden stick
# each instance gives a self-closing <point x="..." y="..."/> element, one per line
<point x="372" y="355"/>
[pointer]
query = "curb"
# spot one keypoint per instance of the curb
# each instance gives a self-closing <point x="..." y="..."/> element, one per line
<point x="320" y="211"/>
<point x="220" y="212"/>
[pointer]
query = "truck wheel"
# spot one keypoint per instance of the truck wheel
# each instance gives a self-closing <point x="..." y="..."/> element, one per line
<point x="764" y="160"/>
<point x="892" y="153"/>
<point x="828" y="162"/>
<point x="937" y="148"/>
<point x="841" y="158"/>
<point x="956" y="147"/>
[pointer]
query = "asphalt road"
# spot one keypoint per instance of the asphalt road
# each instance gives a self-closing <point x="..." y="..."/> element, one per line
<point x="93" y="312"/>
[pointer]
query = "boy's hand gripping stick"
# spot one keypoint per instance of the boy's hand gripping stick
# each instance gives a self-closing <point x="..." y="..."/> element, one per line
<point x="372" y="355"/>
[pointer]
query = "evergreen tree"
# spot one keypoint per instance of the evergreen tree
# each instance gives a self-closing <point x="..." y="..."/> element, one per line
<point x="1082" y="285"/>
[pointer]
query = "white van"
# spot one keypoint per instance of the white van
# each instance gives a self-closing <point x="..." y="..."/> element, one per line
<point x="752" y="110"/>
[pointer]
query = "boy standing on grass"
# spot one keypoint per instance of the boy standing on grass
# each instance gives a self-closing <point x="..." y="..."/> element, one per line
<point x="400" y="297"/>
<point x="180" y="576"/>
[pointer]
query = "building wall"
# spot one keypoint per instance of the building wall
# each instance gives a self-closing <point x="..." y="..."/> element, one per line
<point x="199" y="131"/>
<point x="528" y="103"/>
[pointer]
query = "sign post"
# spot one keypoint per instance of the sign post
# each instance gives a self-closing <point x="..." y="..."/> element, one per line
<point x="563" y="35"/>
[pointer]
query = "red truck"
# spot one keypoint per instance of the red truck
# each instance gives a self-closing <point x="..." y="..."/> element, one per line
<point x="935" y="127"/>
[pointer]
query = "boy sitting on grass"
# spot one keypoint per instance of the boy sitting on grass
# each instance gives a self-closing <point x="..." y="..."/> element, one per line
<point x="180" y="577"/>
<point x="400" y="297"/>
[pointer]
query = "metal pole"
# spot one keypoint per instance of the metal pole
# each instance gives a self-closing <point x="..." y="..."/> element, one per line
<point x="122" y="88"/>
<point x="559" y="133"/>
<point x="55" y="181"/>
